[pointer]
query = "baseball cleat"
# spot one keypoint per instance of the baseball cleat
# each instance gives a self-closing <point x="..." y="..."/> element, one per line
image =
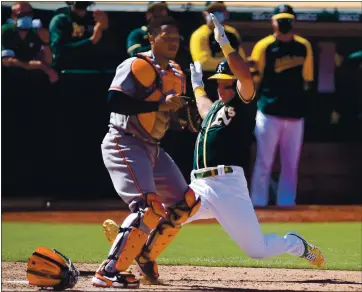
<point x="116" y="280"/>
<point x="311" y="253"/>
<point x="110" y="230"/>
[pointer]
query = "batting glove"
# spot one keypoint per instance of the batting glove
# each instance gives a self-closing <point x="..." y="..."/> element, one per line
<point x="196" y="75"/>
<point x="219" y="32"/>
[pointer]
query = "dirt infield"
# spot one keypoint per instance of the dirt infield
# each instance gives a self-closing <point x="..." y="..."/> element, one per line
<point x="182" y="278"/>
<point x="186" y="278"/>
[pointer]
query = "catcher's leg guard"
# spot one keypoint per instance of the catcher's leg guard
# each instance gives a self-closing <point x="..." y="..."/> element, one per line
<point x="166" y="230"/>
<point x="133" y="234"/>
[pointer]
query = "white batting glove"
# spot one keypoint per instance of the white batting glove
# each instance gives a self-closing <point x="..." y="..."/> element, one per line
<point x="196" y="75"/>
<point x="219" y="31"/>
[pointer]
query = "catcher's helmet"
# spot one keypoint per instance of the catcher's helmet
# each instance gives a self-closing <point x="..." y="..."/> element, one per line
<point x="223" y="72"/>
<point x="49" y="268"/>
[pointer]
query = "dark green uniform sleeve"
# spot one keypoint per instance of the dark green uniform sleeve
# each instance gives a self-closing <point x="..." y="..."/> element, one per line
<point x="135" y="42"/>
<point x="5" y="40"/>
<point x="58" y="39"/>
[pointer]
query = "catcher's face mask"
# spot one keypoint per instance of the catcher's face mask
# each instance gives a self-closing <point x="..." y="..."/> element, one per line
<point x="50" y="268"/>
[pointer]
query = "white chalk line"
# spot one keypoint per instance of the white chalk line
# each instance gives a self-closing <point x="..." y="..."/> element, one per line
<point x="24" y="282"/>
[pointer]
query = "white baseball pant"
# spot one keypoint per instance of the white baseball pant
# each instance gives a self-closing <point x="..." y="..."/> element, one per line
<point x="269" y="132"/>
<point x="226" y="198"/>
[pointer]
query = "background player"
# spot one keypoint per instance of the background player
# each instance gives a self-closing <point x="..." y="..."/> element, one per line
<point x="144" y="91"/>
<point x="285" y="64"/>
<point x="217" y="176"/>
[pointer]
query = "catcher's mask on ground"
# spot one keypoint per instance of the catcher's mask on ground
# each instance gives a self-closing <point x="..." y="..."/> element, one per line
<point x="50" y="268"/>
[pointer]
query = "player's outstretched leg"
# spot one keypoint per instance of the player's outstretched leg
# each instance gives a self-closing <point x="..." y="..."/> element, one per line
<point x="128" y="244"/>
<point x="236" y="214"/>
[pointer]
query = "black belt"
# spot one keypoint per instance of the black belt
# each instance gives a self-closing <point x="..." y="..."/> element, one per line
<point x="212" y="172"/>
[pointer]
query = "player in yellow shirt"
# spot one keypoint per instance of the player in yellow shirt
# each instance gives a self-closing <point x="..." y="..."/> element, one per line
<point x="203" y="46"/>
<point x="284" y="62"/>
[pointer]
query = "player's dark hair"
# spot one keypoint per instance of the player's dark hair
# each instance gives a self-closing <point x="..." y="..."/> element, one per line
<point x="155" y="25"/>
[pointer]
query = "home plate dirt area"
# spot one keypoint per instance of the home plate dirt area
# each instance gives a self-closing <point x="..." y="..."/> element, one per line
<point x="182" y="278"/>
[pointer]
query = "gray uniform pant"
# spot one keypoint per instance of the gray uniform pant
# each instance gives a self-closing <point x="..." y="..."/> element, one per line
<point x="137" y="167"/>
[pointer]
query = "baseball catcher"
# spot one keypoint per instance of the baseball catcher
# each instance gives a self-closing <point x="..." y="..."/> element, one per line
<point x="145" y="92"/>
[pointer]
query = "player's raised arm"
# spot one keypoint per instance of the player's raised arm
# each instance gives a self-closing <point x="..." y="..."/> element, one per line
<point x="245" y="84"/>
<point x="203" y="102"/>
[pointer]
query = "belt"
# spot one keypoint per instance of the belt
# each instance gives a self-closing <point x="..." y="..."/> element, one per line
<point x="212" y="172"/>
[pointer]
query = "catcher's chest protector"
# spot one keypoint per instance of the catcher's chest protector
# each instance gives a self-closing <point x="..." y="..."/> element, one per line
<point x="49" y="268"/>
<point x="164" y="82"/>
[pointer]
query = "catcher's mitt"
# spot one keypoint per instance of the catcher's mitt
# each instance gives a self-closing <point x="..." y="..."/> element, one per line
<point x="187" y="117"/>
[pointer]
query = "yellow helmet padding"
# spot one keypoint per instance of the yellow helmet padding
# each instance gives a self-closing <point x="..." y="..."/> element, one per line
<point x="45" y="268"/>
<point x="144" y="72"/>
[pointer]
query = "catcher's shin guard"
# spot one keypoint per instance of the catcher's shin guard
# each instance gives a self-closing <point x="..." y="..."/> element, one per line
<point x="166" y="230"/>
<point x="133" y="234"/>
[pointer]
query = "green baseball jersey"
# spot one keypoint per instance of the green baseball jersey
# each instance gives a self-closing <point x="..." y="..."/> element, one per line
<point x="284" y="67"/>
<point x="225" y="134"/>
<point x="26" y="49"/>
<point x="137" y="41"/>
<point x="70" y="40"/>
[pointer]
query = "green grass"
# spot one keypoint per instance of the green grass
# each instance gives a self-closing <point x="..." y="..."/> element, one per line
<point x="202" y="245"/>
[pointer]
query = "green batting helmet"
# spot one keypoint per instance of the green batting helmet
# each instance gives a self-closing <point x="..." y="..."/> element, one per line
<point x="223" y="72"/>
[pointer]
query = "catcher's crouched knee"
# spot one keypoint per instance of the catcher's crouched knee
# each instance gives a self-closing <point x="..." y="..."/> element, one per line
<point x="168" y="228"/>
<point x="154" y="211"/>
<point x="180" y="212"/>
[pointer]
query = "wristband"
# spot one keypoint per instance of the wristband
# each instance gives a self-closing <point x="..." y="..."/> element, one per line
<point x="227" y="49"/>
<point x="199" y="91"/>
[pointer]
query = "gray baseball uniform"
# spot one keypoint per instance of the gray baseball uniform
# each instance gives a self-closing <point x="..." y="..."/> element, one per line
<point x="131" y="151"/>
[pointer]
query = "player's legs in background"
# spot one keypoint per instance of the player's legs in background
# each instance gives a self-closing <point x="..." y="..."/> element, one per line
<point x="290" y="146"/>
<point x="128" y="161"/>
<point x="180" y="203"/>
<point x="267" y="130"/>
<point x="230" y="202"/>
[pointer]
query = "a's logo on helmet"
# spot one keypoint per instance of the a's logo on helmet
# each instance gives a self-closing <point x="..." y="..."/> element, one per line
<point x="220" y="69"/>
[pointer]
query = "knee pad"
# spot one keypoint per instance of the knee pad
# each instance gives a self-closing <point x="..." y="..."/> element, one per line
<point x="153" y="212"/>
<point x="168" y="228"/>
<point x="134" y="232"/>
<point x="180" y="212"/>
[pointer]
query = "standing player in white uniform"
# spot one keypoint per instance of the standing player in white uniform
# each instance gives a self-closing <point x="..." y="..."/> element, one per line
<point x="285" y="64"/>
<point x="217" y="177"/>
